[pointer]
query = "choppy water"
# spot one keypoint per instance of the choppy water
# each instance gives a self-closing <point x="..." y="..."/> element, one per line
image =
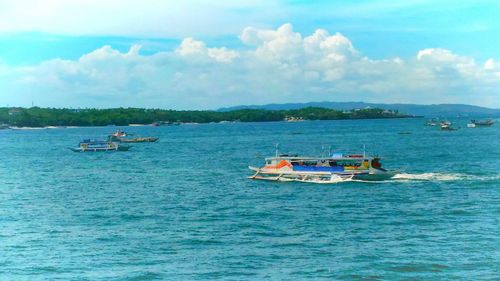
<point x="182" y="208"/>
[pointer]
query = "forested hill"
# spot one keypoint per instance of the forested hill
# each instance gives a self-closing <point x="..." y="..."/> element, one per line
<point x="432" y="110"/>
<point x="40" y="117"/>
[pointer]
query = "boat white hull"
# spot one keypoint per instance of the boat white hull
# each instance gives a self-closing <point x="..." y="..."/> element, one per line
<point x="119" y="148"/>
<point x="321" y="177"/>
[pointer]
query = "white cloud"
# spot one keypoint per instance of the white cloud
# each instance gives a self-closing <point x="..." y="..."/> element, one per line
<point x="489" y="64"/>
<point x="222" y="54"/>
<point x="197" y="50"/>
<point x="278" y="66"/>
<point x="189" y="47"/>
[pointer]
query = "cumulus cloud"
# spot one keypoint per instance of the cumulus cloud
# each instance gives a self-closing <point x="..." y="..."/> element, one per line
<point x="278" y="65"/>
<point x="197" y="49"/>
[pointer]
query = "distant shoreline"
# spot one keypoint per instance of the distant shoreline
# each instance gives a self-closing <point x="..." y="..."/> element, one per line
<point x="187" y="124"/>
<point x="52" y="118"/>
<point x="427" y="110"/>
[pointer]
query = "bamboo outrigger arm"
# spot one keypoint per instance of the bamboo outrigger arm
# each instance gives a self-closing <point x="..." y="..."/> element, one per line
<point x="254" y="175"/>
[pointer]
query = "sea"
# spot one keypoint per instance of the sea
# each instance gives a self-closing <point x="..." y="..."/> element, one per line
<point x="183" y="209"/>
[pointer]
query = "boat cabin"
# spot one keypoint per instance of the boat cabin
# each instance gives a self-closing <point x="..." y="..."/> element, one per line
<point x="336" y="163"/>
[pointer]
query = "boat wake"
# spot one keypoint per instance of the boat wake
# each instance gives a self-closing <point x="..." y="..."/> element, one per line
<point x="442" y="177"/>
<point x="401" y="177"/>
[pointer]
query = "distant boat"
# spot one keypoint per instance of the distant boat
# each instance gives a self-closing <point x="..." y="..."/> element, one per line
<point x="293" y="119"/>
<point x="487" y="122"/>
<point x="432" y="122"/>
<point x="446" y="126"/>
<point x="114" y="138"/>
<point x="167" y="123"/>
<point x="89" y="145"/>
<point x="120" y="134"/>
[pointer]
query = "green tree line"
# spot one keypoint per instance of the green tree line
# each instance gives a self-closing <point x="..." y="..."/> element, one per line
<point x="40" y="117"/>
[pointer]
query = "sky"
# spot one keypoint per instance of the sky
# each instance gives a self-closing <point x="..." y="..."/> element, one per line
<point x="210" y="54"/>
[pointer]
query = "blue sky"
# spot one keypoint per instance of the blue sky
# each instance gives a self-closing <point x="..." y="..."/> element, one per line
<point x="448" y="51"/>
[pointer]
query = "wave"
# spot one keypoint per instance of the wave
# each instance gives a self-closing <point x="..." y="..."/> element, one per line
<point x="443" y="177"/>
<point x="406" y="177"/>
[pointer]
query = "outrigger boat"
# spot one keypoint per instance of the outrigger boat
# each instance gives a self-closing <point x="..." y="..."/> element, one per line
<point x="89" y="145"/>
<point x="336" y="168"/>
<point x="131" y="140"/>
<point x="446" y="126"/>
<point x="482" y="123"/>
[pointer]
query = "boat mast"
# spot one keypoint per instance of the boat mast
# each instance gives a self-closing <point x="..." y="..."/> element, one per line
<point x="277" y="151"/>
<point x="364" y="151"/>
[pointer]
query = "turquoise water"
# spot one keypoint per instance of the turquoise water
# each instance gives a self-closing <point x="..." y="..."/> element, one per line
<point x="182" y="208"/>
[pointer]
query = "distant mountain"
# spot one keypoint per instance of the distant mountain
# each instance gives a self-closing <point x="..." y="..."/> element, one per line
<point x="433" y="110"/>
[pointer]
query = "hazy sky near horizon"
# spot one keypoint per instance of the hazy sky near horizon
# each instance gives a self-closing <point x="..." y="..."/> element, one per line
<point x="210" y="54"/>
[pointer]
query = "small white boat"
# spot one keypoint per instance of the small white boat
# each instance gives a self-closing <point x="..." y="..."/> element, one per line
<point x="334" y="169"/>
<point x="120" y="133"/>
<point x="446" y="126"/>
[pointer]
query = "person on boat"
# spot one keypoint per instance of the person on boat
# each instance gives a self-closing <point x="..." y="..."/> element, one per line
<point x="322" y="163"/>
<point x="377" y="165"/>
